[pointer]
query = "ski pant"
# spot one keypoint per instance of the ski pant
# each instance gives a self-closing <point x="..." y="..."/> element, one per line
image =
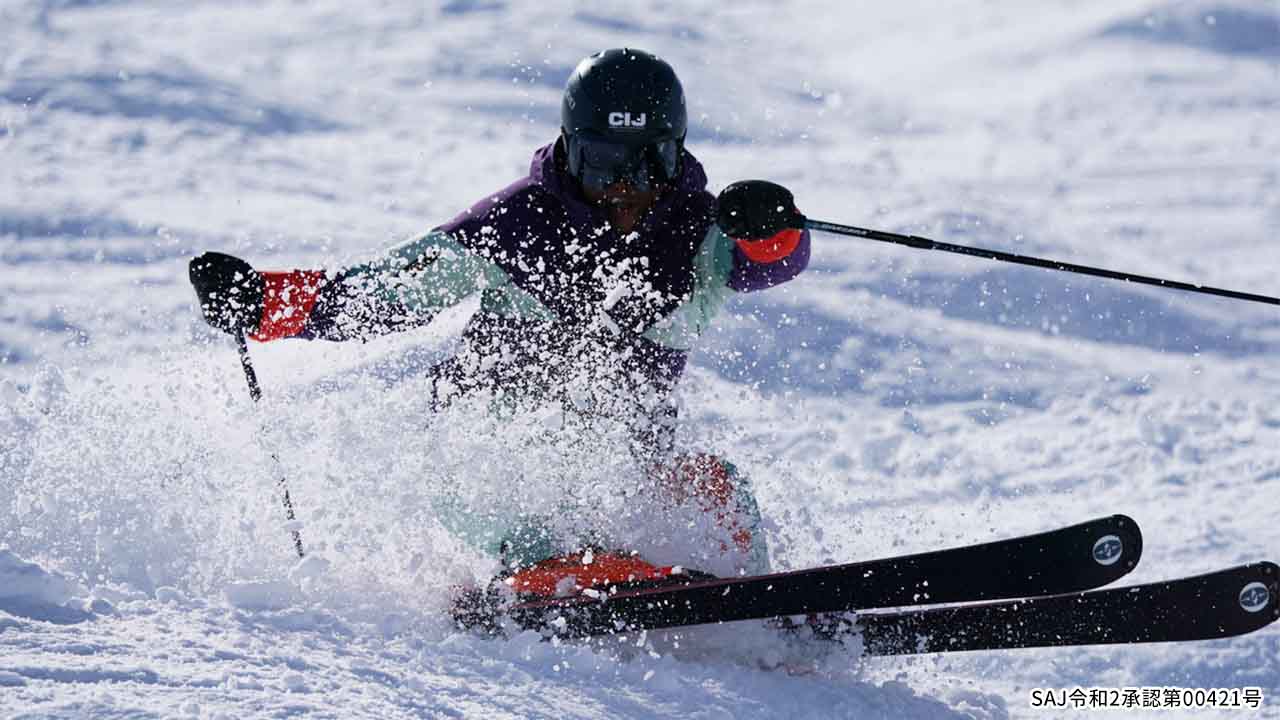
<point x="706" y="482"/>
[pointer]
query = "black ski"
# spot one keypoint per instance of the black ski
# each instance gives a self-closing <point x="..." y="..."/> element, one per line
<point x="1079" y="557"/>
<point x="1220" y="604"/>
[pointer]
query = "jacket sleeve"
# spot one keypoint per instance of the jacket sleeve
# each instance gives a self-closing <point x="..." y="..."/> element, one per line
<point x="724" y="266"/>
<point x="761" y="264"/>
<point x="405" y="287"/>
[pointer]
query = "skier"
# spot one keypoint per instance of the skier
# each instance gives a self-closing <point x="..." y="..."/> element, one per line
<point x="597" y="271"/>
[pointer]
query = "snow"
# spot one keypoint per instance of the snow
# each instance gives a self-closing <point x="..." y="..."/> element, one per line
<point x="890" y="400"/>
<point x="28" y="590"/>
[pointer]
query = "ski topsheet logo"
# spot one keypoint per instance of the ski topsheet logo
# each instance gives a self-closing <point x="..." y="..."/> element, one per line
<point x="624" y="120"/>
<point x="1254" y="597"/>
<point x="1107" y="550"/>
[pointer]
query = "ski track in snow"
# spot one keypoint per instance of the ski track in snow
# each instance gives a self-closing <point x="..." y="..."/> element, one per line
<point x="888" y="401"/>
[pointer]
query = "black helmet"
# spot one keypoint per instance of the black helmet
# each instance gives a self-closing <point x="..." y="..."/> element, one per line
<point x="623" y="117"/>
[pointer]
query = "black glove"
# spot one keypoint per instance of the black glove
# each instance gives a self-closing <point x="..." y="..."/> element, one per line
<point x="757" y="209"/>
<point x="230" y="292"/>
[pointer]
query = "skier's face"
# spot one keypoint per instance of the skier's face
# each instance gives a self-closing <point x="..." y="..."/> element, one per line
<point x="624" y="204"/>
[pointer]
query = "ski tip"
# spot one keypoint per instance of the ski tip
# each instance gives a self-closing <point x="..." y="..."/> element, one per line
<point x="1117" y="543"/>
<point x="1126" y="524"/>
<point x="1118" y="522"/>
<point x="1255" y="587"/>
<point x="1262" y="595"/>
<point x="1123" y="520"/>
<point x="1130" y="526"/>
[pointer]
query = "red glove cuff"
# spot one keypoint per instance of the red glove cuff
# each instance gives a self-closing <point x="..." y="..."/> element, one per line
<point x="771" y="249"/>
<point x="287" y="300"/>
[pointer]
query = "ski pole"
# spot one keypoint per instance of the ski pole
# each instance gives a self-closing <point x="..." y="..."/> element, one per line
<point x="255" y="392"/>
<point x="921" y="243"/>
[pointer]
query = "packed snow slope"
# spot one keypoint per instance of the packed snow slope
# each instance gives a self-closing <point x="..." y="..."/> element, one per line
<point x="888" y="401"/>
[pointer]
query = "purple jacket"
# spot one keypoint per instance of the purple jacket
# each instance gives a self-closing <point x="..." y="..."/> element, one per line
<point x="559" y="285"/>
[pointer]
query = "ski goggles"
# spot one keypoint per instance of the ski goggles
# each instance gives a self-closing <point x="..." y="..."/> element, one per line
<point x="598" y="163"/>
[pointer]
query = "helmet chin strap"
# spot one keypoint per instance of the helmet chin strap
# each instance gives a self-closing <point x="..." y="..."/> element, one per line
<point x="631" y="197"/>
<point x="619" y="202"/>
